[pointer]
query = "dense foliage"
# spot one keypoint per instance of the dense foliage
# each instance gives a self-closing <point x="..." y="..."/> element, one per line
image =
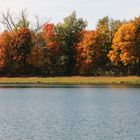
<point x="67" y="48"/>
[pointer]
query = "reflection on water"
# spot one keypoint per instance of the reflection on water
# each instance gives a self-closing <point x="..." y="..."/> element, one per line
<point x="70" y="113"/>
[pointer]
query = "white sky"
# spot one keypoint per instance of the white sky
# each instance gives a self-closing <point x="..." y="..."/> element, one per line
<point x="90" y="10"/>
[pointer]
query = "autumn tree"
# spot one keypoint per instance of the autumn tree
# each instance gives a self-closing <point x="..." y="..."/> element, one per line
<point x="89" y="52"/>
<point x="125" y="48"/>
<point x="6" y="41"/>
<point x="15" y="46"/>
<point x="45" y="54"/>
<point x="107" y="27"/>
<point x="2" y="58"/>
<point x="51" y="50"/>
<point x="20" y="49"/>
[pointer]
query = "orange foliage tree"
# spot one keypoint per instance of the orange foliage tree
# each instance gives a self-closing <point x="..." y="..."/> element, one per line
<point x="14" y="48"/>
<point x="21" y="48"/>
<point x="126" y="48"/>
<point x="51" y="52"/>
<point x="50" y="37"/>
<point x="89" y="52"/>
<point x="45" y="53"/>
<point x="6" y="41"/>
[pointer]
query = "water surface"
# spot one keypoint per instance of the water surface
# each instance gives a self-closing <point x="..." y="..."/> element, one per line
<point x="96" y="113"/>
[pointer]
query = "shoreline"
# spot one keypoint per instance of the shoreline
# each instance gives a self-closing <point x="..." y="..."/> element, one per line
<point x="68" y="86"/>
<point x="68" y="81"/>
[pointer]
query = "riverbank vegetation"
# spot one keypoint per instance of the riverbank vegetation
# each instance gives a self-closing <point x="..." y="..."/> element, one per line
<point x="68" y="48"/>
<point x="73" y="80"/>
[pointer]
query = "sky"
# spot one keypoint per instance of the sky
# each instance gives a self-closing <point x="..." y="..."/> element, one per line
<point x="90" y="10"/>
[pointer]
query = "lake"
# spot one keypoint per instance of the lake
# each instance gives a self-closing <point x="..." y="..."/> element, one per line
<point x="81" y="113"/>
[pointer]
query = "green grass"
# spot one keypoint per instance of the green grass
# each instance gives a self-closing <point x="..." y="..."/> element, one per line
<point x="71" y="80"/>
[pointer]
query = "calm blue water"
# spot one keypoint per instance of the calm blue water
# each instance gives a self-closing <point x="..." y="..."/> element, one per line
<point x="70" y="113"/>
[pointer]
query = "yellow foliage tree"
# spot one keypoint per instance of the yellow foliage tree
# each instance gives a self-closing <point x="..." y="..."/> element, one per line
<point x="125" y="47"/>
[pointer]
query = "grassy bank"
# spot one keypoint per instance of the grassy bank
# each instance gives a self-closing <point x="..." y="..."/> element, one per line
<point x="71" y="80"/>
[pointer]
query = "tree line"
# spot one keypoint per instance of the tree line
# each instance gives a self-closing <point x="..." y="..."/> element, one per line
<point x="68" y="48"/>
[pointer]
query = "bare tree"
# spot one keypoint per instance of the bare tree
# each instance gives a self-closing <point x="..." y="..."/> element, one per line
<point x="39" y="23"/>
<point x="7" y="20"/>
<point x="12" y="21"/>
